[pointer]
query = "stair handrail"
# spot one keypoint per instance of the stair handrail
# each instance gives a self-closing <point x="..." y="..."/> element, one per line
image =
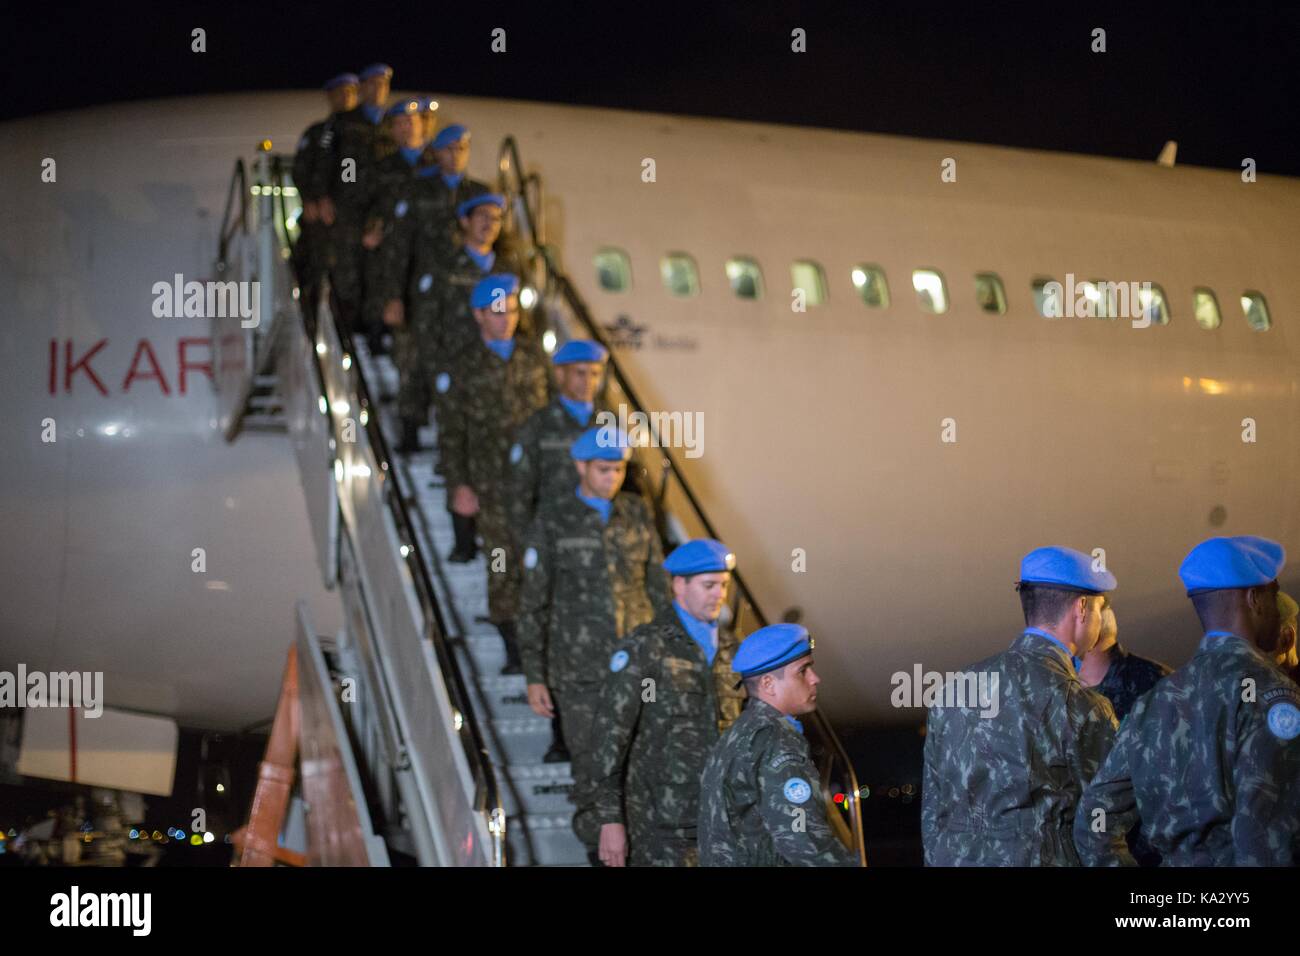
<point x="513" y="182"/>
<point x="487" y="793"/>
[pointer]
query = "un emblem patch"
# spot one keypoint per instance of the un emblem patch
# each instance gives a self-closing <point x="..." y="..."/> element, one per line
<point x="1284" y="720"/>
<point x="426" y="282"/>
<point x="400" y="209"/>
<point x="530" y="558"/>
<point x="618" y="661"/>
<point x="516" y="453"/>
<point x="443" y="382"/>
<point x="796" y="790"/>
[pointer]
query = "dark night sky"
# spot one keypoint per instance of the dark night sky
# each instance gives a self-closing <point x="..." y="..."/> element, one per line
<point x="1221" y="79"/>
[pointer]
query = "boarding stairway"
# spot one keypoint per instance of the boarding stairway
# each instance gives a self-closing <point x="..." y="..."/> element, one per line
<point x="449" y="752"/>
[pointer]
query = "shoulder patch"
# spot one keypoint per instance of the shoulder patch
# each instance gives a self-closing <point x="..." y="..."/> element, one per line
<point x="516" y="453"/>
<point x="530" y="558"/>
<point x="426" y="282"/>
<point x="443" y="382"/>
<point x="796" y="790"/>
<point x="1284" y="720"/>
<point x="400" y="209"/>
<point x="618" y="661"/>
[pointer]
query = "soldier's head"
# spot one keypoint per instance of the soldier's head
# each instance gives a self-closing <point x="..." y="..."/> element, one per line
<point x="1109" y="635"/>
<point x="776" y="665"/>
<point x="1062" y="591"/>
<point x="1287" y="613"/>
<point x="341" y="91"/>
<point x="480" y="219"/>
<point x="376" y="81"/>
<point x="701" y="577"/>
<point x="451" y="149"/>
<point x="1232" y="583"/>
<point x="579" y="365"/>
<point x="495" y="303"/>
<point x="405" y="125"/>
<point x="600" y="455"/>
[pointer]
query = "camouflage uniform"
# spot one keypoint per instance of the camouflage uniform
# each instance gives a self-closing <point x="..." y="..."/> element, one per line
<point x="440" y="325"/>
<point x="756" y="778"/>
<point x="1128" y="678"/>
<point x="486" y="400"/>
<point x="1001" y="790"/>
<point x="1214" y="778"/>
<point x="542" y="468"/>
<point x="311" y="253"/>
<point x="585" y="584"/>
<point x="390" y="200"/>
<point x="358" y="139"/>
<point x="661" y="743"/>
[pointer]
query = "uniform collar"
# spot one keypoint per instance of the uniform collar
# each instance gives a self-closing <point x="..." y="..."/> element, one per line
<point x="1057" y="641"/>
<point x="483" y="260"/>
<point x="768" y="712"/>
<point x="578" y="411"/>
<point x="704" y="633"/>
<point x="601" y="506"/>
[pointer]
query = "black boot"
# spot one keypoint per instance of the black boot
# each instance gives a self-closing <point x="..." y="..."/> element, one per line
<point x="557" y="752"/>
<point x="513" y="664"/>
<point x="410" y="442"/>
<point x="466" y="549"/>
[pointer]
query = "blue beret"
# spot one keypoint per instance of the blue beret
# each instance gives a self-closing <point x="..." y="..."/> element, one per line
<point x="343" y="79"/>
<point x="486" y="291"/>
<point x="612" y="445"/>
<point x="481" y="199"/>
<point x="403" y="107"/>
<point x="1065" y="568"/>
<point x="376" y="69"/>
<point x="580" y="350"/>
<point x="771" y="647"/>
<point x="701" y="556"/>
<point x="449" y="134"/>
<point x="1244" y="561"/>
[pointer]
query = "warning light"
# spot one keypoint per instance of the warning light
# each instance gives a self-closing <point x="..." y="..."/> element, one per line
<point x="264" y="146"/>
<point x="839" y="798"/>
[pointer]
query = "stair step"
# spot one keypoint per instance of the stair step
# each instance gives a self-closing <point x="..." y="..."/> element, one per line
<point x="523" y="740"/>
<point x="505" y="696"/>
<point x="543" y="840"/>
<point x="544" y="789"/>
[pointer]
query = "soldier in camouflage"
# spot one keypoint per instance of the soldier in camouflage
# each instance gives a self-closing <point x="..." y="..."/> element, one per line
<point x="500" y="380"/>
<point x="390" y="198"/>
<point x="760" y="795"/>
<point x="438" y="295"/>
<point x="1209" y="759"/>
<point x="428" y="228"/>
<point x="540" y="466"/>
<point x="358" y="146"/>
<point x="669" y="694"/>
<point x="592" y="571"/>
<point x="1002" y="776"/>
<point x="311" y="172"/>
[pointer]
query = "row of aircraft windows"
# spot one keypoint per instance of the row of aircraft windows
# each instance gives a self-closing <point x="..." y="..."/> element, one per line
<point x="1098" y="298"/>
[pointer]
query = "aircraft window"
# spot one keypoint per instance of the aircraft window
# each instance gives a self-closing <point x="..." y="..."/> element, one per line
<point x="613" y="270"/>
<point x="679" y="274"/>
<point x="989" y="294"/>
<point x="1206" y="307"/>
<point x="871" y="285"/>
<point x="746" y="277"/>
<point x="808" y="276"/>
<point x="1256" y="309"/>
<point x="1047" y="298"/>
<point x="1154" y="304"/>
<point x="931" y="295"/>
